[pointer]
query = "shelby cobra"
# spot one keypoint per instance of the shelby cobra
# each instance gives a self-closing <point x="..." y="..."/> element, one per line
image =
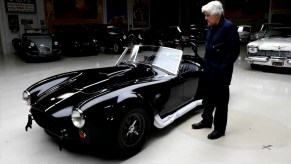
<point x="150" y="86"/>
<point x="37" y="43"/>
<point x="274" y="50"/>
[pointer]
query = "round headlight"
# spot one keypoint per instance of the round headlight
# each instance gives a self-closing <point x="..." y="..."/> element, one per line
<point x="31" y="44"/>
<point x="78" y="118"/>
<point x="26" y="97"/>
<point x="124" y="37"/>
<point x="56" y="43"/>
<point x="253" y="50"/>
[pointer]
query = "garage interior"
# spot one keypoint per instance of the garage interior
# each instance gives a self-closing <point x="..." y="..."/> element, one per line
<point x="258" y="131"/>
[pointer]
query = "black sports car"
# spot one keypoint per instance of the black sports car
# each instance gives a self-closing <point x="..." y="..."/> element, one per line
<point x="77" y="40"/>
<point x="37" y="43"/>
<point x="117" y="106"/>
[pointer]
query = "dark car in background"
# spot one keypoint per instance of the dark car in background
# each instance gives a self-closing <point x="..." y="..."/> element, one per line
<point x="144" y="36"/>
<point x="37" y="44"/>
<point x="110" y="37"/>
<point x="174" y="36"/>
<point x="77" y="40"/>
<point x="198" y="32"/>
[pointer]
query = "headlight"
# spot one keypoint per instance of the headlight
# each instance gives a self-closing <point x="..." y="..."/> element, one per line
<point x="56" y="43"/>
<point x="124" y="37"/>
<point x="139" y="36"/>
<point x="76" y="44"/>
<point x="253" y="50"/>
<point x="94" y="41"/>
<point x="31" y="44"/>
<point x="26" y="97"/>
<point x="78" y="118"/>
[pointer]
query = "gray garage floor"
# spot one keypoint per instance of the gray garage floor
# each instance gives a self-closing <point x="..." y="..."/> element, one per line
<point x="259" y="127"/>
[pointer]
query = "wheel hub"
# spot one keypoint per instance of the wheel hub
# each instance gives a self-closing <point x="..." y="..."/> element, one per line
<point x="131" y="129"/>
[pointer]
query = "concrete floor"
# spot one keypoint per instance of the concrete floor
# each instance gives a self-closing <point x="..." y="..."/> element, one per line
<point x="258" y="131"/>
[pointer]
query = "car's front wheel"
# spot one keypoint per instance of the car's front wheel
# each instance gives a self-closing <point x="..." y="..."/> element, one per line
<point x="132" y="132"/>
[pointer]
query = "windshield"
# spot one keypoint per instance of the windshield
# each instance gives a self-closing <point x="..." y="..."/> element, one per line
<point x="35" y="31"/>
<point x="279" y="32"/>
<point x="167" y="59"/>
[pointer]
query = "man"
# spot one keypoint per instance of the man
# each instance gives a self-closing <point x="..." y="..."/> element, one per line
<point x="222" y="49"/>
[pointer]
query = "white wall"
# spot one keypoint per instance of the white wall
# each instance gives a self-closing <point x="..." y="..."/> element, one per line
<point x="6" y="35"/>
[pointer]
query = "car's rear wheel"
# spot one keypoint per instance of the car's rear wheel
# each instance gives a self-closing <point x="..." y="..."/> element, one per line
<point x="132" y="132"/>
<point x="116" y="48"/>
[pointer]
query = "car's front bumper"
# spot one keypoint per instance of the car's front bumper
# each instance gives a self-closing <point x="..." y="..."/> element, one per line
<point x="48" y="54"/>
<point x="269" y="61"/>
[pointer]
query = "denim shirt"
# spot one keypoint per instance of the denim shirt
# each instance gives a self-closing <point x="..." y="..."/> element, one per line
<point x="222" y="49"/>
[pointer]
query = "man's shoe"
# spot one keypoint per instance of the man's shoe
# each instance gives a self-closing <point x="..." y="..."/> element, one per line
<point x="201" y="125"/>
<point x="215" y="135"/>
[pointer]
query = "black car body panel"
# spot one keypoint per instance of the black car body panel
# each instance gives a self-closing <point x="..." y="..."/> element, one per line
<point x="156" y="86"/>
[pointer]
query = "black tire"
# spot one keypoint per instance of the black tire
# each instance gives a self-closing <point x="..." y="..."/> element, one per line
<point x="116" y="48"/>
<point x="132" y="132"/>
<point x="254" y="66"/>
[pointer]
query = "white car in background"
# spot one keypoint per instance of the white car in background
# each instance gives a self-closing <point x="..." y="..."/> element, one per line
<point x="273" y="50"/>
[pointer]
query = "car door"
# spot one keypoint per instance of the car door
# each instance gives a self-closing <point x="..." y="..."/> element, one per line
<point x="172" y="95"/>
<point x="190" y="86"/>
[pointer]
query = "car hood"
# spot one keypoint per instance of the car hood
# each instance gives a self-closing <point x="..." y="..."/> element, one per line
<point x="274" y="43"/>
<point x="74" y="87"/>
